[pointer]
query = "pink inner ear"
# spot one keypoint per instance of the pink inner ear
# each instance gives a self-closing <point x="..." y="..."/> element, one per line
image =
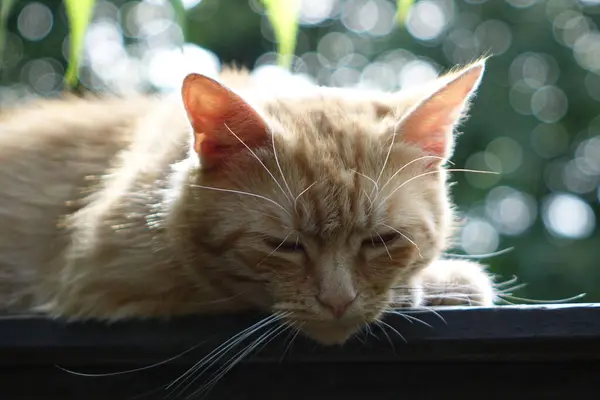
<point x="217" y="116"/>
<point x="431" y="124"/>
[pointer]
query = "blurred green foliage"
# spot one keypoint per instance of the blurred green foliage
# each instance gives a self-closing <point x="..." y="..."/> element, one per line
<point x="79" y="13"/>
<point x="5" y="8"/>
<point x="403" y="8"/>
<point x="283" y="15"/>
<point x="536" y="118"/>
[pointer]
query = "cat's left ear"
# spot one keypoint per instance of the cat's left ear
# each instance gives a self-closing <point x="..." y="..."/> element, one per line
<point x="430" y="125"/>
<point x="223" y="122"/>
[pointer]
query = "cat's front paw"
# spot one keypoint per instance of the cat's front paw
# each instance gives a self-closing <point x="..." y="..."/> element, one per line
<point x="454" y="283"/>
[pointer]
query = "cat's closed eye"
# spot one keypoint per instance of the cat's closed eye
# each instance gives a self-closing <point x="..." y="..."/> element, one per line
<point x="284" y="245"/>
<point x="381" y="239"/>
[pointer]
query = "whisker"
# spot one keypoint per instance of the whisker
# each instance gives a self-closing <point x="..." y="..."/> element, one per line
<point x="405" y="237"/>
<point x="289" y="345"/>
<point x="264" y="214"/>
<point x="129" y="371"/>
<point x="515" y="298"/>
<point x="387" y="156"/>
<point x="393" y="329"/>
<point x="259" y="160"/>
<point x="243" y="193"/>
<point x="434" y="172"/>
<point x="368" y="198"/>
<point x="274" y="250"/>
<point x="432" y="286"/>
<point x="375" y="186"/>
<point x="279" y="166"/>
<point x="235" y="359"/>
<point x="406" y="165"/>
<point x="384" y="245"/>
<point x="511" y="289"/>
<point x="422" y="310"/>
<point x="410" y="318"/>
<point x="481" y="256"/>
<point x="369" y="331"/>
<point x="382" y="328"/>
<point x="360" y="337"/>
<point x="220" y="351"/>
<point x="507" y="283"/>
<point x="451" y="296"/>
<point x="301" y="193"/>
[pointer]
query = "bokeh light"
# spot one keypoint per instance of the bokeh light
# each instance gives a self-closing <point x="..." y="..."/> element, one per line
<point x="568" y="216"/>
<point x="35" y="21"/>
<point x="479" y="237"/>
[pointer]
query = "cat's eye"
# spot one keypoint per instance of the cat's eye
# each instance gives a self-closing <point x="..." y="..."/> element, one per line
<point x="381" y="239"/>
<point x="284" y="245"/>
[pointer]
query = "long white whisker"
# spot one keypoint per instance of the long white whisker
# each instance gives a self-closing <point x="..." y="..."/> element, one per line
<point x="279" y="166"/>
<point x="395" y="330"/>
<point x="511" y="289"/>
<point x="573" y="298"/>
<point x="406" y="165"/>
<point x="274" y="250"/>
<point x="261" y="163"/>
<point x="370" y="331"/>
<point x="235" y="359"/>
<point x="508" y="282"/>
<point x="218" y="352"/>
<point x="243" y="193"/>
<point x="129" y="371"/>
<point x="375" y="186"/>
<point x="368" y="198"/>
<point x="222" y="353"/>
<point x="382" y="328"/>
<point x="384" y="245"/>
<point x="409" y="318"/>
<point x="289" y="345"/>
<point x="387" y="156"/>
<point x="405" y="237"/>
<point x="434" y="172"/>
<point x="450" y="296"/>
<point x="421" y="310"/>
<point x="301" y="193"/>
<point x="480" y="256"/>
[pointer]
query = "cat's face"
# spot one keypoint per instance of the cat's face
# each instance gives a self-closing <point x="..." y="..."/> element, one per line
<point x="318" y="207"/>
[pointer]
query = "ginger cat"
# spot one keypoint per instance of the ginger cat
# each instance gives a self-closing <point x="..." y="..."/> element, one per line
<point x="329" y="207"/>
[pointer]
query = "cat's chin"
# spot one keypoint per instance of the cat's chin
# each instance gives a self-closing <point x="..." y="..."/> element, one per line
<point x="330" y="333"/>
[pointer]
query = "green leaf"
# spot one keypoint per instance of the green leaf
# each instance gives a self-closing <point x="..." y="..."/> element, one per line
<point x="283" y="15"/>
<point x="5" y="7"/>
<point x="79" y="13"/>
<point x="402" y="12"/>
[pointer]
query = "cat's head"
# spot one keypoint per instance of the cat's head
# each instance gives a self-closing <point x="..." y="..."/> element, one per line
<point x="319" y="205"/>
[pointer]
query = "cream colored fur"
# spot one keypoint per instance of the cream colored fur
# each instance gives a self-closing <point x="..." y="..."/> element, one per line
<point x="105" y="212"/>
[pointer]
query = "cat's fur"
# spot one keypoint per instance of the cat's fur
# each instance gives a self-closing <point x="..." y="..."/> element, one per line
<point x="112" y="208"/>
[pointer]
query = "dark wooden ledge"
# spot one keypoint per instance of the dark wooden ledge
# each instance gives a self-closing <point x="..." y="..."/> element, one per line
<point x="463" y="352"/>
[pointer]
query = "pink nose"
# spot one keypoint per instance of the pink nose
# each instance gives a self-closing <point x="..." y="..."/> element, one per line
<point x="337" y="306"/>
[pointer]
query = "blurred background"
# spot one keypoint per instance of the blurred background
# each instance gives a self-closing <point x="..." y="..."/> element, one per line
<point x="536" y="119"/>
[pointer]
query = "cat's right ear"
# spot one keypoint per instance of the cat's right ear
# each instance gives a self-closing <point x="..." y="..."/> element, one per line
<point x="222" y="121"/>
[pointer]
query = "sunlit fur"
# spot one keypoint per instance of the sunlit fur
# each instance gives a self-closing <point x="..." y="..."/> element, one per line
<point x="106" y="212"/>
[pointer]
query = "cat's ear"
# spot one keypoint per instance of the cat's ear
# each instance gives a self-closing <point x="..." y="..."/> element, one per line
<point x="430" y="125"/>
<point x="222" y="121"/>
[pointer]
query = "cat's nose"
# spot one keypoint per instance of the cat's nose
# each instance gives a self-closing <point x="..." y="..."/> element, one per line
<point x="336" y="305"/>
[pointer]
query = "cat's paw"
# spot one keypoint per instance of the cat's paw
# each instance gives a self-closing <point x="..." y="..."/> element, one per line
<point x="454" y="283"/>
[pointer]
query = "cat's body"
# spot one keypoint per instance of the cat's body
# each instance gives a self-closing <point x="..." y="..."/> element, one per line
<point x="106" y="210"/>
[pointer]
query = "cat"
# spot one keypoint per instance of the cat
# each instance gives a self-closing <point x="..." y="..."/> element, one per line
<point x="327" y="207"/>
